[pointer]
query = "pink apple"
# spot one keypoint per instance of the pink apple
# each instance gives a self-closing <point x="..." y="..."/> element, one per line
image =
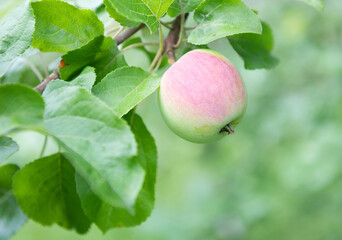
<point x="202" y="96"/>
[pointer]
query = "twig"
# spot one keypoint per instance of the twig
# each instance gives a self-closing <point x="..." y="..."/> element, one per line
<point x="172" y="38"/>
<point x="41" y="87"/>
<point x="127" y="33"/>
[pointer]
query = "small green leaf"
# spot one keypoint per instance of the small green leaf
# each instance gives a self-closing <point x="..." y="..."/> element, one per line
<point x="7" y="147"/>
<point x="86" y="78"/>
<point x="46" y="192"/>
<point x="11" y="216"/>
<point x="61" y="27"/>
<point x="101" y="53"/>
<point x="20" y="106"/>
<point x="221" y="18"/>
<point x="98" y="144"/>
<point x="188" y="6"/>
<point x="106" y="216"/>
<point x="117" y="16"/>
<point x="144" y="11"/>
<point x="125" y="87"/>
<point x="255" y="49"/>
<point x="318" y="4"/>
<point x="17" y="27"/>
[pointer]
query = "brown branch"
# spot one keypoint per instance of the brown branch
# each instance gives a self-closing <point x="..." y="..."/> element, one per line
<point x="172" y="38"/>
<point x="127" y="33"/>
<point x="41" y="87"/>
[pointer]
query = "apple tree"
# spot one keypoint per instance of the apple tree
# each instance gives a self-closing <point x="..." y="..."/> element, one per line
<point x="64" y="75"/>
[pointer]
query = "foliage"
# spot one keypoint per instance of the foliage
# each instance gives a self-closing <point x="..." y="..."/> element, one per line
<point x="104" y="169"/>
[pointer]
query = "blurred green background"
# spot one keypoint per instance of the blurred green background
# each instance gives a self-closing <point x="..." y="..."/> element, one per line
<point x="280" y="176"/>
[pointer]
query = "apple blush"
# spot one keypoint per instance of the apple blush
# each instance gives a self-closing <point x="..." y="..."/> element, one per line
<point x="202" y="96"/>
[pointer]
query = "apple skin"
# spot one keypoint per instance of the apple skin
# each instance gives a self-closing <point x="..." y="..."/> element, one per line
<point x="200" y="95"/>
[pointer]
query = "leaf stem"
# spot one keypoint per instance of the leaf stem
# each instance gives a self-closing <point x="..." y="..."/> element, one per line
<point x="110" y="30"/>
<point x="172" y="38"/>
<point x="42" y="59"/>
<point x="160" y="50"/>
<point x="118" y="32"/>
<point x="167" y="25"/>
<point x="34" y="69"/>
<point x="132" y="116"/>
<point x="190" y="28"/>
<point x="138" y="45"/>
<point x="44" y="147"/>
<point x="161" y="42"/>
<point x="155" y="60"/>
<point x="158" y="65"/>
<point x="181" y="25"/>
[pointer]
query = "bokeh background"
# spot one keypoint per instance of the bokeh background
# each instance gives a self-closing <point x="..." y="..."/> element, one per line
<point x="279" y="177"/>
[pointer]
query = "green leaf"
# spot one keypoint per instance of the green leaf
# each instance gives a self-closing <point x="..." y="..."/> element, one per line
<point x="20" y="72"/>
<point x="4" y="66"/>
<point x="188" y="6"/>
<point x="106" y="216"/>
<point x="98" y="144"/>
<point x="61" y="27"/>
<point x="117" y="16"/>
<point x="318" y="4"/>
<point x="144" y="11"/>
<point x="221" y="18"/>
<point x="255" y="49"/>
<point x="125" y="87"/>
<point x="17" y="27"/>
<point x="6" y="174"/>
<point x="11" y="217"/>
<point x="101" y="53"/>
<point x="86" y="78"/>
<point x="20" y="106"/>
<point x="46" y="192"/>
<point x="7" y="147"/>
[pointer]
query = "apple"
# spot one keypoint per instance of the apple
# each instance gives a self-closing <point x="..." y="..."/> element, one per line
<point x="202" y="96"/>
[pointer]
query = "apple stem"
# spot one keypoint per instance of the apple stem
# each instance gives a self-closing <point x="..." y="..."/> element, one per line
<point x="229" y="129"/>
